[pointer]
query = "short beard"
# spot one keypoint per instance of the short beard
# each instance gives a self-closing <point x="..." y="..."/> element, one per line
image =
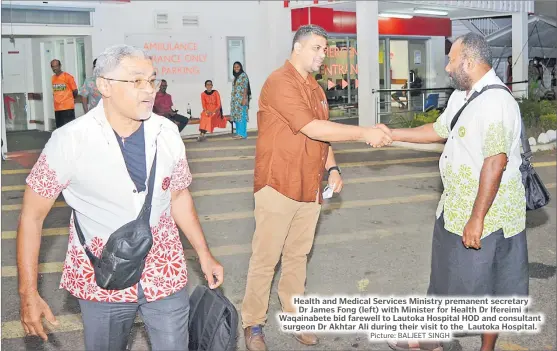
<point x="459" y="80"/>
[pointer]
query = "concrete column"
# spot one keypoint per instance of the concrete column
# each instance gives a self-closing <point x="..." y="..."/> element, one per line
<point x="278" y="26"/>
<point x="437" y="77"/>
<point x="275" y="35"/>
<point x="520" y="52"/>
<point x="367" y="29"/>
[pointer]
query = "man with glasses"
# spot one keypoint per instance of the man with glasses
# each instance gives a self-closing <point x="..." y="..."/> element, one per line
<point x="101" y="164"/>
<point x="163" y="106"/>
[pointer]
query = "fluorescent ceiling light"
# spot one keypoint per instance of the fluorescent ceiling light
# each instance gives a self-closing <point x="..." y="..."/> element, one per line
<point x="431" y="12"/>
<point x="395" y="15"/>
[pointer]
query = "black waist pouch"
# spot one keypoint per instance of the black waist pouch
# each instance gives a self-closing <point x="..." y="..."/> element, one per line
<point x="123" y="257"/>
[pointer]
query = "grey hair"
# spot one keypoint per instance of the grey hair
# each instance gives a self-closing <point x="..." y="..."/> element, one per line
<point x="476" y="47"/>
<point x="307" y="30"/>
<point x="111" y="58"/>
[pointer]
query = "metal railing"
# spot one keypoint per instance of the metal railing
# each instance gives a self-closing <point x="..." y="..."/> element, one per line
<point x="400" y="107"/>
<point x="486" y="26"/>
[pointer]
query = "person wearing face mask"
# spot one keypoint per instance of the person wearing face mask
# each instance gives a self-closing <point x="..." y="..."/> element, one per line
<point x="292" y="154"/>
<point x="107" y="164"/>
<point x="479" y="243"/>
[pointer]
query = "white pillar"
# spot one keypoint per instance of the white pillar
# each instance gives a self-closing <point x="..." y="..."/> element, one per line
<point x="520" y="52"/>
<point x="367" y="29"/>
<point x="279" y="40"/>
<point x="275" y="35"/>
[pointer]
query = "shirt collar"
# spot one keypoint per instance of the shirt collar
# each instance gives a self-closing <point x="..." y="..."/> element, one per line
<point x="485" y="80"/>
<point x="310" y="80"/>
<point x="152" y="126"/>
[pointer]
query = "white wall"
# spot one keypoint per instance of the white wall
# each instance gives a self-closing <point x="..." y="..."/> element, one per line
<point x="265" y="27"/>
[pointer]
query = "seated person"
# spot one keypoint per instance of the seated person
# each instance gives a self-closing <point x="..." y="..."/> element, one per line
<point x="163" y="106"/>
<point x="398" y="94"/>
<point x="211" y="116"/>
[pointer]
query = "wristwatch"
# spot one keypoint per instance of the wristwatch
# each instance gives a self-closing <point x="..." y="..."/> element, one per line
<point x="334" y="168"/>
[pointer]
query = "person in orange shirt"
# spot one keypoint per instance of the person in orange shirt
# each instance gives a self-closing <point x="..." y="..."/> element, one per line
<point x="64" y="90"/>
<point x="211" y="116"/>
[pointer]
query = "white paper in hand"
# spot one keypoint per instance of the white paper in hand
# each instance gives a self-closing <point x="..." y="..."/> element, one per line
<point x="328" y="192"/>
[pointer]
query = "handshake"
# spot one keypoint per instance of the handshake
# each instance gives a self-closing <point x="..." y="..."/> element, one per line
<point x="378" y="136"/>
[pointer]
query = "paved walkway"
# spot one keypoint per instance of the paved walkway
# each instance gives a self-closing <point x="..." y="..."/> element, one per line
<point x="373" y="238"/>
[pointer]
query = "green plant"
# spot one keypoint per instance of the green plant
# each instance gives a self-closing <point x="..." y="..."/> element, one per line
<point x="414" y="120"/>
<point x="548" y="121"/>
<point x="401" y="120"/>
<point x="427" y="117"/>
<point x="532" y="110"/>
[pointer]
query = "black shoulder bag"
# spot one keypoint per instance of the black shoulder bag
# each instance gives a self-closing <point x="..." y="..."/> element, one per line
<point x="123" y="257"/>
<point x="537" y="195"/>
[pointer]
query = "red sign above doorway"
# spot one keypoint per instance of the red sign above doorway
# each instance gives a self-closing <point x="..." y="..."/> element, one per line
<point x="343" y="22"/>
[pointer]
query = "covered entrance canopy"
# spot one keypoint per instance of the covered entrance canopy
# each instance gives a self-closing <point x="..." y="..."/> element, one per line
<point x="542" y="37"/>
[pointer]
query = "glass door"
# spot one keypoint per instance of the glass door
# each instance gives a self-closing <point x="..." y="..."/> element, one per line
<point x="47" y="55"/>
<point x="384" y="75"/>
<point x="81" y="69"/>
<point x="339" y="77"/>
<point x="417" y="68"/>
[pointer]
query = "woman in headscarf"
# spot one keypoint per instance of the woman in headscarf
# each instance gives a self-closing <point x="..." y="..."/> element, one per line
<point x="239" y="102"/>
<point x="211" y="116"/>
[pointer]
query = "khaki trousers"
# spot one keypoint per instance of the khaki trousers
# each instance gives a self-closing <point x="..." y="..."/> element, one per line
<point x="282" y="226"/>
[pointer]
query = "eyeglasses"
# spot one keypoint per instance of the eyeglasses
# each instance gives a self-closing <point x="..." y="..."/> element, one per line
<point x="139" y="83"/>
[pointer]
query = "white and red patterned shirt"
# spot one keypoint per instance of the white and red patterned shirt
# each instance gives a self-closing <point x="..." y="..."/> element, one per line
<point x="83" y="161"/>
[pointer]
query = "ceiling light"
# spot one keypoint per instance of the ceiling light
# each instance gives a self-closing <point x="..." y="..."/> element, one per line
<point x="395" y="15"/>
<point x="431" y="12"/>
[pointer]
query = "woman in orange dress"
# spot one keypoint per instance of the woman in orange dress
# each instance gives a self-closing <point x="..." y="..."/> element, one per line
<point x="211" y="116"/>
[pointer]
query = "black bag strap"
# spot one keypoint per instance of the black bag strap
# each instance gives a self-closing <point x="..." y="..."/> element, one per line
<point x="526" y="150"/>
<point x="143" y="214"/>
<point x="474" y="95"/>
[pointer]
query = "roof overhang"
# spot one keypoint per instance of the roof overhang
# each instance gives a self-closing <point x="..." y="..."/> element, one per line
<point x="542" y="33"/>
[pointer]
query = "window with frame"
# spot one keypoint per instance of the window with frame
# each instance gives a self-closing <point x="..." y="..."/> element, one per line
<point x="235" y="47"/>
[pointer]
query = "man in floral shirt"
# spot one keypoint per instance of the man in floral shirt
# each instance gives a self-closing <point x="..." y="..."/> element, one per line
<point x="101" y="163"/>
<point x="479" y="243"/>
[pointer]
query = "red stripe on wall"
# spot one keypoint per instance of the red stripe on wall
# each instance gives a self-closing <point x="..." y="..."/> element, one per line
<point x="299" y="17"/>
<point x="426" y="26"/>
<point x="323" y="17"/>
<point x="345" y="22"/>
